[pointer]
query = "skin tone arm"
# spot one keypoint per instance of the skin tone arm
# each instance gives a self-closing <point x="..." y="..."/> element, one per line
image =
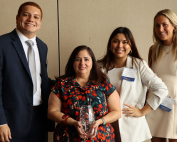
<point x="114" y="111"/>
<point x="135" y="111"/>
<point x="55" y="114"/>
<point x="5" y="133"/>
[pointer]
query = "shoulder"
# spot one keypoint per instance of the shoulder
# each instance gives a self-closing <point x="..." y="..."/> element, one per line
<point x="64" y="80"/>
<point x="150" y="49"/>
<point x="139" y="63"/>
<point x="143" y="67"/>
<point x="4" y="36"/>
<point x="39" y="41"/>
<point x="7" y="39"/>
<point x="105" y="81"/>
<point x="107" y="87"/>
<point x="7" y="36"/>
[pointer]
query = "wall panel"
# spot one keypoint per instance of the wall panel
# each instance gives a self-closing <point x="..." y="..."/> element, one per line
<point x="91" y="23"/>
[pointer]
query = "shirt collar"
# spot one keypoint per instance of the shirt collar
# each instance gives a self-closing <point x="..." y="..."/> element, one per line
<point x="23" y="38"/>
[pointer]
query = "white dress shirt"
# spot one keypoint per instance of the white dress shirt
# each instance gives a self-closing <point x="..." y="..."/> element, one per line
<point x="37" y="96"/>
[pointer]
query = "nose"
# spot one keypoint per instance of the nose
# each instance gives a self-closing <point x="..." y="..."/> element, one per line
<point x="120" y="44"/>
<point x="161" y="28"/>
<point x="30" y="18"/>
<point x="81" y="62"/>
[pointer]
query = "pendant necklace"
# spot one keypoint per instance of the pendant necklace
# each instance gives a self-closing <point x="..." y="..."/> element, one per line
<point x="167" y="47"/>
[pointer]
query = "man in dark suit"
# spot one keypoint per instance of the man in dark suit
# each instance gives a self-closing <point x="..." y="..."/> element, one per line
<point x="23" y="100"/>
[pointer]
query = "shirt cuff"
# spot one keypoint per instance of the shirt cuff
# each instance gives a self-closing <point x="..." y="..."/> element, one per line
<point x="154" y="102"/>
<point x="2" y="125"/>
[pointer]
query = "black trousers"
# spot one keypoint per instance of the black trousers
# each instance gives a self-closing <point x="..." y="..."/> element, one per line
<point x="38" y="130"/>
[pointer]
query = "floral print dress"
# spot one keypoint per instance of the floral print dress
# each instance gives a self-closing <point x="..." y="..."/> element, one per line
<point x="73" y="97"/>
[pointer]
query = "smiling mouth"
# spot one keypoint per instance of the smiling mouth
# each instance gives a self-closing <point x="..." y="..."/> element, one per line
<point x="162" y="34"/>
<point x="30" y="25"/>
<point x="119" y="51"/>
<point x="81" y="68"/>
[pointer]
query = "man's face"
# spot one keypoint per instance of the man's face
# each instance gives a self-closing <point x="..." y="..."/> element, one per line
<point x="29" y="21"/>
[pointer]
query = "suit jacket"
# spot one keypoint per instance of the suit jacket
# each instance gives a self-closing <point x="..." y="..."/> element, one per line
<point x="16" y="87"/>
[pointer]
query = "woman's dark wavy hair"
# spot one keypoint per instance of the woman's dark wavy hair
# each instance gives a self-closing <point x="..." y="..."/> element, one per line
<point x="96" y="74"/>
<point x="108" y="60"/>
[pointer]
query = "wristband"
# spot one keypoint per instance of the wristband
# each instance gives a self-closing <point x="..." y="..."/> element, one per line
<point x="104" y="122"/>
<point x="65" y="117"/>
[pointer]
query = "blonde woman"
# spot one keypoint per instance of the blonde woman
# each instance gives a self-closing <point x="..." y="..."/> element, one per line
<point x="163" y="61"/>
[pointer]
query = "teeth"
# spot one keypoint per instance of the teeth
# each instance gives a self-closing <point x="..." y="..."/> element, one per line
<point x="30" y="24"/>
<point x="119" y="50"/>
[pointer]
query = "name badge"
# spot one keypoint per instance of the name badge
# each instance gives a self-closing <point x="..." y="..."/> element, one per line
<point x="129" y="74"/>
<point x="167" y="104"/>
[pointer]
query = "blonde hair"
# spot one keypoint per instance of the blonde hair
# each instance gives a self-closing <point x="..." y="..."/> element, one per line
<point x="157" y="48"/>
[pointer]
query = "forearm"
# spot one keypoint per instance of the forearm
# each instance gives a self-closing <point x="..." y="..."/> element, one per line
<point x="146" y="109"/>
<point x="110" y="117"/>
<point x="57" y="117"/>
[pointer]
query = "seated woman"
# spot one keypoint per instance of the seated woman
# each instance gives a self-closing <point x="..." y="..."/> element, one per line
<point x="131" y="76"/>
<point x="83" y="84"/>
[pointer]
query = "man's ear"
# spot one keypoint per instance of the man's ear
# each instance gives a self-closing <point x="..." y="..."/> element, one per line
<point x="17" y="17"/>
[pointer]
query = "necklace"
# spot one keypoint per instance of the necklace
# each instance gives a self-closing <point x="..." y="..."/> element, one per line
<point x="167" y="52"/>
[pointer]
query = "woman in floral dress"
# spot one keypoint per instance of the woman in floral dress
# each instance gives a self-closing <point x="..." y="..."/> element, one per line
<point x="83" y="84"/>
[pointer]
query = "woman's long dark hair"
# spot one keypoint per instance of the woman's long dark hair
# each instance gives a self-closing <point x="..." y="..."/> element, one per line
<point x="96" y="74"/>
<point x="108" y="60"/>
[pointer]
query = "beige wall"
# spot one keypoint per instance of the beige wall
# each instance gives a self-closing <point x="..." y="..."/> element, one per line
<point x="91" y="22"/>
<point x="88" y="22"/>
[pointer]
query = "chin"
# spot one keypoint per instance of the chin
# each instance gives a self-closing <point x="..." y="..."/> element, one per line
<point x="120" y="56"/>
<point x="163" y="38"/>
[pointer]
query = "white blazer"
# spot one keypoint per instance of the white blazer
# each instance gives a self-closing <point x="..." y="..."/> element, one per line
<point x="135" y="129"/>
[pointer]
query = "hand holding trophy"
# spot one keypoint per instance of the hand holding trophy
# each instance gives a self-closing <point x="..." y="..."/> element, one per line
<point x="87" y="119"/>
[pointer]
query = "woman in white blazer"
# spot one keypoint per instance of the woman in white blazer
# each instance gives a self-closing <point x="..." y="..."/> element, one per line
<point x="132" y="77"/>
